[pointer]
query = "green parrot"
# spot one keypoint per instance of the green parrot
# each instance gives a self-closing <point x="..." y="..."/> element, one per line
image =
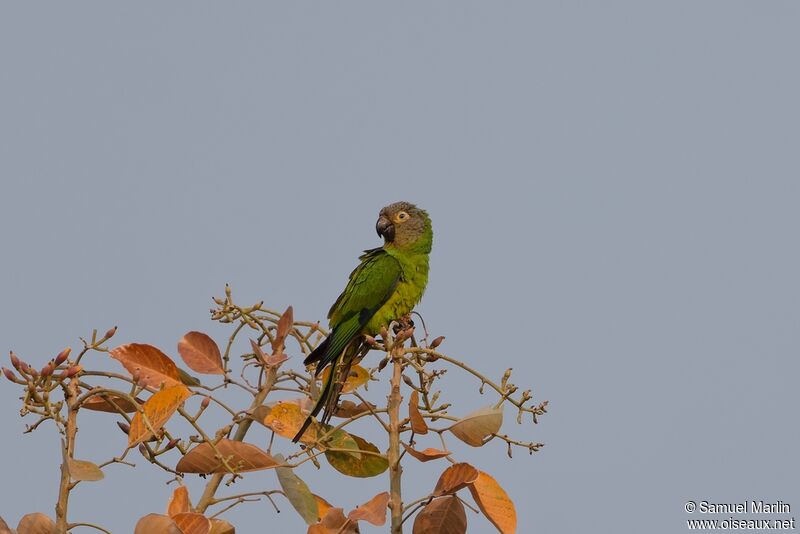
<point x="386" y="286"/>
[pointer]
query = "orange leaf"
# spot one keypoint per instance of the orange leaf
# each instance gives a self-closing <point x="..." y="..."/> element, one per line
<point x="442" y="516"/>
<point x="4" y="528"/>
<point x="417" y="421"/>
<point x="477" y="426"/>
<point x="152" y="523"/>
<point x="36" y="523"/>
<point x="286" y="418"/>
<point x="152" y="366"/>
<point x="358" y="377"/>
<point x="282" y="330"/>
<point x="334" y="522"/>
<point x="220" y="526"/>
<point x="373" y="511"/>
<point x="192" y="523"/>
<point x="179" y="502"/>
<point x="426" y="455"/>
<point x="201" y="353"/>
<point x="270" y="361"/>
<point x="240" y="456"/>
<point x="158" y="409"/>
<point x="103" y="403"/>
<point x="494" y="503"/>
<point x="322" y="505"/>
<point x="454" y="478"/>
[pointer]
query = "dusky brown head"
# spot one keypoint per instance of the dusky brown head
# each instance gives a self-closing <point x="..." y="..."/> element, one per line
<point x="403" y="225"/>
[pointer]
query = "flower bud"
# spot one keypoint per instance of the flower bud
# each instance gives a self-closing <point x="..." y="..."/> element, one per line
<point x="10" y="374"/>
<point x="143" y="450"/>
<point x="110" y="333"/>
<point x="436" y="342"/>
<point x="125" y="427"/>
<point x="72" y="371"/>
<point x="62" y="356"/>
<point x="47" y="370"/>
<point x="205" y="403"/>
<point x="15" y="361"/>
<point x="171" y="444"/>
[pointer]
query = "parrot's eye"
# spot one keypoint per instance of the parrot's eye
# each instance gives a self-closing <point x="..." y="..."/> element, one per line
<point x="402" y="216"/>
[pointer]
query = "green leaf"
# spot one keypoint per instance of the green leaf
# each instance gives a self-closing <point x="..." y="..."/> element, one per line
<point x="368" y="465"/>
<point x="297" y="492"/>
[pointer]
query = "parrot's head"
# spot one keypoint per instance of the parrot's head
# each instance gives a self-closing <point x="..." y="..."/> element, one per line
<point x="404" y="225"/>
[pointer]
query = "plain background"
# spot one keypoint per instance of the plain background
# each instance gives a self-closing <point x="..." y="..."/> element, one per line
<point x="614" y="191"/>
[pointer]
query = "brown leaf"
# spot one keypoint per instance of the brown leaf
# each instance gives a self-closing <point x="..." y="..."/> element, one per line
<point x="220" y="526"/>
<point x="179" y="502"/>
<point x="102" y="403"/>
<point x="270" y="361"/>
<point x="36" y="523"/>
<point x="152" y="366"/>
<point x="477" y="426"/>
<point x="333" y="523"/>
<point x="156" y="523"/>
<point x="192" y="523"/>
<point x="426" y="455"/>
<point x="349" y="408"/>
<point x="373" y="511"/>
<point x="4" y="528"/>
<point x="494" y="503"/>
<point x="454" y="478"/>
<point x="282" y="330"/>
<point x="358" y="377"/>
<point x="442" y="516"/>
<point x="240" y="456"/>
<point x="417" y="421"/>
<point x="84" y="470"/>
<point x="158" y="409"/>
<point x="201" y="353"/>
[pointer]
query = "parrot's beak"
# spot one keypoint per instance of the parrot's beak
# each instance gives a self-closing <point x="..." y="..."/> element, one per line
<point x="385" y="229"/>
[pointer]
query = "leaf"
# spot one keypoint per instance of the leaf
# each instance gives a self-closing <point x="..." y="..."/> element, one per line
<point x="4" y="528"/>
<point x="220" y="526"/>
<point x="270" y="361"/>
<point x="282" y="330"/>
<point x="369" y="465"/>
<point x="373" y="511"/>
<point x="417" y="421"/>
<point x="179" y="502"/>
<point x="102" y="403"/>
<point x="192" y="523"/>
<point x="297" y="492"/>
<point x="426" y="455"/>
<point x="454" y="478"/>
<point x="201" y="353"/>
<point x="152" y="523"/>
<point x="322" y="505"/>
<point x="286" y="419"/>
<point x="36" y="523"/>
<point x="240" y="456"/>
<point x="357" y="377"/>
<point x="187" y="379"/>
<point x="152" y="366"/>
<point x="349" y="408"/>
<point x="334" y="523"/>
<point x="84" y="470"/>
<point x="494" y="503"/>
<point x="158" y="409"/>
<point x="442" y="516"/>
<point x="475" y="427"/>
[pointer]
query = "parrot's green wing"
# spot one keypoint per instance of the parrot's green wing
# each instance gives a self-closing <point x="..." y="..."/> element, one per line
<point x="370" y="286"/>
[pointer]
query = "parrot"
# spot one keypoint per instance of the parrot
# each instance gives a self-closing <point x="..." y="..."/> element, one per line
<point x="385" y="287"/>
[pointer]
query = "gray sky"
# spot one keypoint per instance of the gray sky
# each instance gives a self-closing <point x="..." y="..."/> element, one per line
<point x="614" y="191"/>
